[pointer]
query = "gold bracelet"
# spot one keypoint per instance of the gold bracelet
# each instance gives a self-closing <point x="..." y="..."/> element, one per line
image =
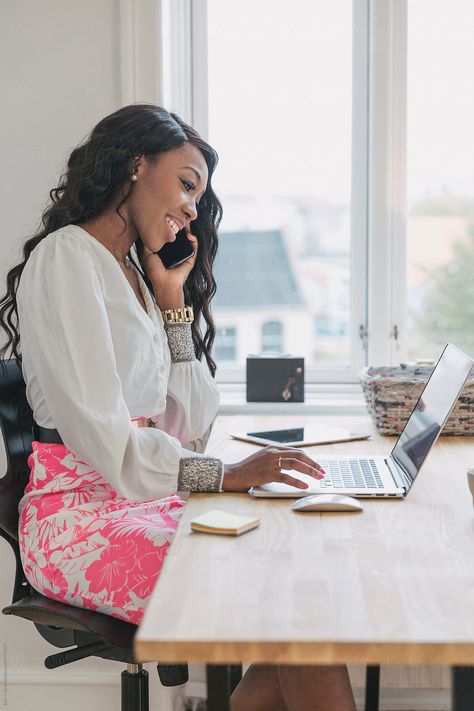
<point x="181" y="315"/>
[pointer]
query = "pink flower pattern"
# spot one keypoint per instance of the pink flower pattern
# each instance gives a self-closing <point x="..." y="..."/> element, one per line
<point x="83" y="544"/>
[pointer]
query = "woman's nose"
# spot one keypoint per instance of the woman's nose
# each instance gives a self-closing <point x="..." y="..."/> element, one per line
<point x="190" y="210"/>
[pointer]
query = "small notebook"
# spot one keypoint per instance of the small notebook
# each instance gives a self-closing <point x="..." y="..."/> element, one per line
<point x="223" y="523"/>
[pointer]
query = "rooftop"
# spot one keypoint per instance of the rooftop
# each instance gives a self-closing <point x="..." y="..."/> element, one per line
<point x="253" y="269"/>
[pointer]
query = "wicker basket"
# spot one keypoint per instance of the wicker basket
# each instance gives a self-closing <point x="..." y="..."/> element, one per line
<point x="392" y="392"/>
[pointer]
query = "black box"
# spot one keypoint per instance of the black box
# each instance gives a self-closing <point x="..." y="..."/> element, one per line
<point x="275" y="379"/>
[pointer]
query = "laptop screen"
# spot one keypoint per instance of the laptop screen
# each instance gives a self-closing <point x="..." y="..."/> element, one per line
<point x="431" y="411"/>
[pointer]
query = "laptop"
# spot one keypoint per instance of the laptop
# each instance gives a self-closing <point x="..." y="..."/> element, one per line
<point x="393" y="475"/>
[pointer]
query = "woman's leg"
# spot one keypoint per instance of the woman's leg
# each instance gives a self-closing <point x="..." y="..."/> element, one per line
<point x="316" y="688"/>
<point x="259" y="690"/>
<point x="294" y="688"/>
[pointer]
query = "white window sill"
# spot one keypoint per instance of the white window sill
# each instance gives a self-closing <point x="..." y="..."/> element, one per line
<point x="319" y="400"/>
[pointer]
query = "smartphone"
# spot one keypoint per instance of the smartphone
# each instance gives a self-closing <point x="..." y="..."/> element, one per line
<point x="174" y="253"/>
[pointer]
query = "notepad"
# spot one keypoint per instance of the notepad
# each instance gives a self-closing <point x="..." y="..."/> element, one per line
<point x="223" y="523"/>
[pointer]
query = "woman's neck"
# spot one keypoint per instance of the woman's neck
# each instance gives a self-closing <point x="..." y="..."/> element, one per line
<point x="109" y="230"/>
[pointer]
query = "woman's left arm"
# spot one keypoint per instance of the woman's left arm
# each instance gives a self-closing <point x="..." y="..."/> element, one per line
<point x="193" y="397"/>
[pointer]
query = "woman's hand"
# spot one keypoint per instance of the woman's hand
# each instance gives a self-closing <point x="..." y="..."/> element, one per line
<point x="263" y="467"/>
<point x="167" y="283"/>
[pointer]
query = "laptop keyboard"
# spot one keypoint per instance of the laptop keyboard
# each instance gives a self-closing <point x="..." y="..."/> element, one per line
<point x="350" y="473"/>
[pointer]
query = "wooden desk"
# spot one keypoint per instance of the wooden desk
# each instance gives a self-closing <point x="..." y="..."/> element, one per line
<point x="391" y="585"/>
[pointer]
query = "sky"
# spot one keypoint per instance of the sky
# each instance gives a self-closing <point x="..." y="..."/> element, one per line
<point x="440" y="97"/>
<point x="279" y="120"/>
<point x="280" y="97"/>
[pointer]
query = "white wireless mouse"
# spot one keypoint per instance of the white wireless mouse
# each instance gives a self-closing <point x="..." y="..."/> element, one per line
<point x="327" y="502"/>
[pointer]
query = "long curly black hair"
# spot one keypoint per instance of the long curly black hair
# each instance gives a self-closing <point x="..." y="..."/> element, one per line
<point x="96" y="171"/>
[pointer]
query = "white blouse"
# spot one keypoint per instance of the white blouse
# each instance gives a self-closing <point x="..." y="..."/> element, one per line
<point x="93" y="359"/>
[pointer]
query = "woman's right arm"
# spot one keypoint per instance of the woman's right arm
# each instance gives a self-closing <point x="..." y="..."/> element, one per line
<point x="263" y="467"/>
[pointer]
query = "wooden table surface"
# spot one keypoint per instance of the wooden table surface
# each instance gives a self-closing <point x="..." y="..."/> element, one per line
<point x="393" y="584"/>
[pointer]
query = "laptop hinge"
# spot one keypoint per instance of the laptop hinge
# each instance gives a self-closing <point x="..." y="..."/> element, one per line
<point x="398" y="475"/>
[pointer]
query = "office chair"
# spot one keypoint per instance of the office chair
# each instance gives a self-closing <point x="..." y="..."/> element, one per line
<point x="86" y="633"/>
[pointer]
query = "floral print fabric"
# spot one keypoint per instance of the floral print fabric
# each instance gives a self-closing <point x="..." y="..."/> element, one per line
<point x="83" y="544"/>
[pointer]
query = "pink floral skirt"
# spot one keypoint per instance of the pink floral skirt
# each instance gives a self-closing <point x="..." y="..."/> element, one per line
<point x="83" y="544"/>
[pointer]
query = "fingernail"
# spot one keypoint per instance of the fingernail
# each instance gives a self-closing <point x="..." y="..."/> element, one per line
<point x="303" y="486"/>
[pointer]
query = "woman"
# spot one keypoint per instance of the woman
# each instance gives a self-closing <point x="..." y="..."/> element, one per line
<point x="112" y="362"/>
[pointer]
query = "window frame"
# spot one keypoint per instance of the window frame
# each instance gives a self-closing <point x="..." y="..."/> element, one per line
<point x="377" y="328"/>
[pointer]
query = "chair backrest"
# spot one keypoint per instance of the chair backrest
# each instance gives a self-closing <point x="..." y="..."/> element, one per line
<point x="16" y="423"/>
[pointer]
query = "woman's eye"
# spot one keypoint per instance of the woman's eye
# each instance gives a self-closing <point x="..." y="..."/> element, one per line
<point x="189" y="186"/>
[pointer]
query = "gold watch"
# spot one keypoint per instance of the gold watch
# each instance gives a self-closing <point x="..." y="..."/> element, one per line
<point x="181" y="315"/>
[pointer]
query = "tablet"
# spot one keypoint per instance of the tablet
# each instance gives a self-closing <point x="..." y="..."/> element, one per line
<point x="303" y="436"/>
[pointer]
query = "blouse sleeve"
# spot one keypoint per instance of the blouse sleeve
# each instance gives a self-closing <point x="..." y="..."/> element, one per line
<point x="62" y="314"/>
<point x="193" y="398"/>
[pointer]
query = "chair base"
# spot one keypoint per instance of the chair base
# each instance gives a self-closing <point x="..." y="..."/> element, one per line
<point x="135" y="688"/>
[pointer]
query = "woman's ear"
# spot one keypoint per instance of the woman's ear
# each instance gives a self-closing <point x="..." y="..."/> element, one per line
<point x="136" y="165"/>
<point x="139" y="164"/>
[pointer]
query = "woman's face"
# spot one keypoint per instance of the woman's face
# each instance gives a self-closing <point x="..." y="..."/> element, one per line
<point x="165" y="194"/>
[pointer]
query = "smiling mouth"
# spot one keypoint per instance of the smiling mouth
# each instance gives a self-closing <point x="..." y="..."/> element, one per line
<point x="174" y="225"/>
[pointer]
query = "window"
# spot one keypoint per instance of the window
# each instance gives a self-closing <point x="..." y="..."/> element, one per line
<point x="440" y="236"/>
<point x="343" y="219"/>
<point x="279" y="115"/>
<point x="225" y="345"/>
<point x="272" y="337"/>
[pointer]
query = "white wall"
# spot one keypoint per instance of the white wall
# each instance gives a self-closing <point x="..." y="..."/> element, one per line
<point x="60" y="72"/>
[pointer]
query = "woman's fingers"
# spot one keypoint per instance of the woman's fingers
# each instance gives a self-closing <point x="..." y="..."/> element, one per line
<point x="287" y="479"/>
<point x="293" y="454"/>
<point x="192" y="238"/>
<point x="194" y="241"/>
<point x="303" y="467"/>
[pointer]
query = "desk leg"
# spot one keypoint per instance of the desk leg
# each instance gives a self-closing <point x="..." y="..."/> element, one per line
<point x="462" y="688"/>
<point x="221" y="682"/>
<point x="372" y="688"/>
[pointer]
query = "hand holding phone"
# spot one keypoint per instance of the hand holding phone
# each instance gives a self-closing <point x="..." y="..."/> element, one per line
<point x="172" y="254"/>
<point x="168" y="283"/>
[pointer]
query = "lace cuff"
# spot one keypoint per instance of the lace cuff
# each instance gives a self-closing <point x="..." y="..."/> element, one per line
<point x="200" y="474"/>
<point x="180" y="342"/>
